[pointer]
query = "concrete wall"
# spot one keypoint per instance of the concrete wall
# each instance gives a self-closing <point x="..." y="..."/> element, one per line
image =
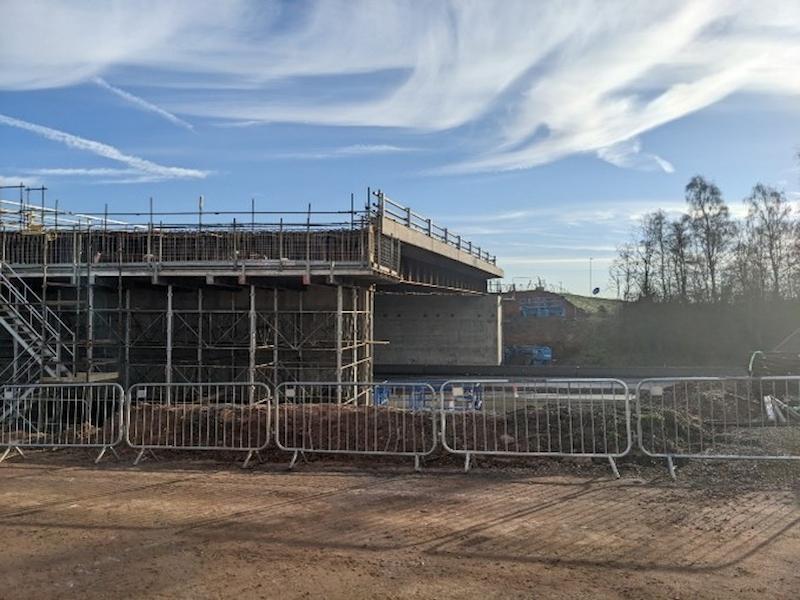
<point x="437" y="330"/>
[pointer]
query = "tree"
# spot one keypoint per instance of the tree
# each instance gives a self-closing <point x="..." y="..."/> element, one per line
<point x="794" y="271"/>
<point x="712" y="229"/>
<point x="645" y="257"/>
<point x="623" y="270"/>
<point x="746" y="272"/>
<point x="678" y="244"/>
<point x="655" y="230"/>
<point x="769" y="219"/>
<point x="704" y="255"/>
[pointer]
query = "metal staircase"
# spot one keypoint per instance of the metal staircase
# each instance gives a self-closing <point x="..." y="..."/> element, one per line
<point x="41" y="345"/>
<point x="44" y="343"/>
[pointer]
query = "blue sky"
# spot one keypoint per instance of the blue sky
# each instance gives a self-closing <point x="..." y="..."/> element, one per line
<point x="539" y="132"/>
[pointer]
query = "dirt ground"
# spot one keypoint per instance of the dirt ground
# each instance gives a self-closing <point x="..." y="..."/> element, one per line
<point x="181" y="528"/>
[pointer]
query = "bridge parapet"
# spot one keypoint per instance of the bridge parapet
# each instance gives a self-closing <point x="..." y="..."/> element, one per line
<point x="400" y="222"/>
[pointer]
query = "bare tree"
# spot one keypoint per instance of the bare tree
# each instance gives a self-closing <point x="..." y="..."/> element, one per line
<point x="646" y="256"/>
<point x="712" y="227"/>
<point x="706" y="256"/>
<point x="769" y="219"/>
<point x="746" y="269"/>
<point x="678" y="243"/>
<point x="659" y="226"/>
<point x="623" y="271"/>
<point x="794" y="270"/>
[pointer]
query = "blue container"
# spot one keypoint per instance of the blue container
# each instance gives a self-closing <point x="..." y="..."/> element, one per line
<point x="420" y="397"/>
<point x="381" y="395"/>
<point x="542" y="355"/>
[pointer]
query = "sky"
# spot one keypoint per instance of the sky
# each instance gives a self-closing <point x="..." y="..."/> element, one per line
<point x="540" y="130"/>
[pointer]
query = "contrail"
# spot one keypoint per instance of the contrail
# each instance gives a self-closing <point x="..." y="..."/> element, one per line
<point x="143" y="104"/>
<point x="104" y="150"/>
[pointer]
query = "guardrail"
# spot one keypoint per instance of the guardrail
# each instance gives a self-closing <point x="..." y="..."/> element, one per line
<point x="198" y="416"/>
<point x="577" y="418"/>
<point x="405" y="216"/>
<point x="386" y="419"/>
<point x="719" y="418"/>
<point x="76" y="415"/>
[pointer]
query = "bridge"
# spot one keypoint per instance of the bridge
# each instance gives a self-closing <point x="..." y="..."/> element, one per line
<point x="238" y="296"/>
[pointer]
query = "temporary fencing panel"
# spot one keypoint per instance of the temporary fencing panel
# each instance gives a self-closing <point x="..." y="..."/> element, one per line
<point x="198" y="416"/>
<point x="564" y="417"/>
<point x="719" y="418"/>
<point x="58" y="415"/>
<point x="395" y="419"/>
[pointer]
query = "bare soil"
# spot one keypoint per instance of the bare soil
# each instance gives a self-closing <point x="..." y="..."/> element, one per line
<point x="386" y="429"/>
<point x="178" y="528"/>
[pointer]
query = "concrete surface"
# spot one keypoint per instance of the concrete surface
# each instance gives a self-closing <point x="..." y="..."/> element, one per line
<point x="438" y="330"/>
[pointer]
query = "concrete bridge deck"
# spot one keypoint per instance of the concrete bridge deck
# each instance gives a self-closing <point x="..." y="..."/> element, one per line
<point x="388" y="244"/>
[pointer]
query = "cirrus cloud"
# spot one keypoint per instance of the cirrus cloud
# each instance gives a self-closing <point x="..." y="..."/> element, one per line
<point x="537" y="81"/>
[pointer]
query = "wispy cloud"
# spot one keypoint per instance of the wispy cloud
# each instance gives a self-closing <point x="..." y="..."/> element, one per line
<point x="499" y="216"/>
<point x="532" y="261"/>
<point x="360" y="149"/>
<point x="97" y="175"/>
<point x="628" y="154"/>
<point x="91" y="172"/>
<point x="622" y="212"/>
<point x="143" y="104"/>
<point x="536" y="81"/>
<point x="347" y="151"/>
<point x="141" y="165"/>
<point x="15" y="180"/>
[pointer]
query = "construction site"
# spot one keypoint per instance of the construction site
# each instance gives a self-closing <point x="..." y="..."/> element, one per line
<point x="179" y="342"/>
<point x="247" y="297"/>
<point x="552" y="351"/>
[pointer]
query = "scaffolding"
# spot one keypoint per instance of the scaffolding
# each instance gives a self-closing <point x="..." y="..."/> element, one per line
<point x="179" y="334"/>
<point x="212" y="296"/>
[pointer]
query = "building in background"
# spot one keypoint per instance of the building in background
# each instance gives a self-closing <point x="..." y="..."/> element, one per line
<point x="541" y="327"/>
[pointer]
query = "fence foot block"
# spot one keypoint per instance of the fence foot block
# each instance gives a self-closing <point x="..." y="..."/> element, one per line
<point x="671" y="467"/>
<point x="141" y="455"/>
<point x="103" y="453"/>
<point x="467" y="462"/>
<point x="16" y="449"/>
<point x="249" y="457"/>
<point x="614" y="468"/>
<point x="294" y="459"/>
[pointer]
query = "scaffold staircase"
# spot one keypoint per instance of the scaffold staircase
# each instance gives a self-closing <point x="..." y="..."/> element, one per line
<point x="44" y="342"/>
<point x="41" y="343"/>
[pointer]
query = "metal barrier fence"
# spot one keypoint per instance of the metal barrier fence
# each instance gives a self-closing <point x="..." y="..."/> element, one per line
<point x="77" y="415"/>
<point x="719" y="418"/>
<point x="198" y="416"/>
<point x="691" y="418"/>
<point x="567" y="417"/>
<point x="390" y="419"/>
